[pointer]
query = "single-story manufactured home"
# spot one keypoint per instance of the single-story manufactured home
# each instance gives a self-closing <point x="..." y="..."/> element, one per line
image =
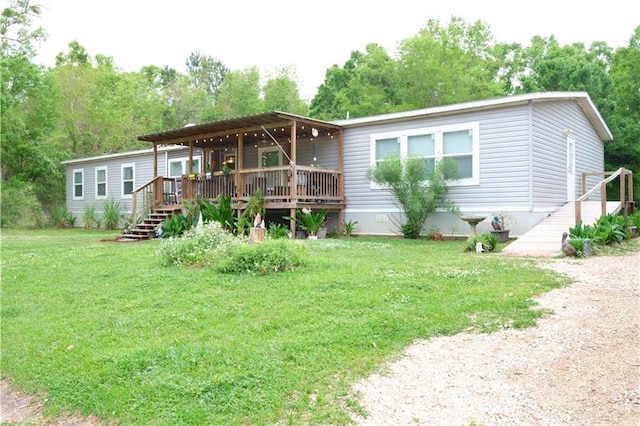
<point x="520" y="156"/>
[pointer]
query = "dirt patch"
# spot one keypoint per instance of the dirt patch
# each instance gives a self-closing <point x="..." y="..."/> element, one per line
<point x="580" y="365"/>
<point x="120" y="240"/>
<point x="20" y="408"/>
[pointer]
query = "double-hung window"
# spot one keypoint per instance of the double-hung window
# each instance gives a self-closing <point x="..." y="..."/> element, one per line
<point x="78" y="184"/>
<point x="128" y="179"/>
<point x="101" y="183"/>
<point x="179" y="166"/>
<point x="459" y="142"/>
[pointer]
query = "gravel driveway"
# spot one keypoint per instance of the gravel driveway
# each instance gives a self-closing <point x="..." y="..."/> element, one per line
<point x="579" y="366"/>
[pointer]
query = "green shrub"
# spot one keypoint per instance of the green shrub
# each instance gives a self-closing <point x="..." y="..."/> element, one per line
<point x="582" y="231"/>
<point x="269" y="256"/>
<point x="62" y="218"/>
<point x="611" y="228"/>
<point x="194" y="246"/>
<point x="20" y="206"/>
<point x="584" y="246"/>
<point x="417" y="190"/>
<point x="89" y="219"/>
<point x="634" y="220"/>
<point x="277" y="230"/>
<point x="175" y="226"/>
<point x="349" y="227"/>
<point x="111" y="214"/>
<point x="489" y="242"/>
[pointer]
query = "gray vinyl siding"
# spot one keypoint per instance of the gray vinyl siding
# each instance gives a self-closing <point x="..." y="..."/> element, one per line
<point x="143" y="172"/>
<point x="326" y="153"/>
<point x="503" y="163"/>
<point x="551" y="121"/>
<point x="589" y="153"/>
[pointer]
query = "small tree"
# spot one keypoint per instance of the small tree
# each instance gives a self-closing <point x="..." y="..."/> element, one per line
<point x="417" y="191"/>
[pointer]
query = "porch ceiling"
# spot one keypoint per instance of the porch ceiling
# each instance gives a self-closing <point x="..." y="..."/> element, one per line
<point x="225" y="132"/>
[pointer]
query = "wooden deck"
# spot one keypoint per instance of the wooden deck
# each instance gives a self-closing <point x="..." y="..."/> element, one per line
<point x="544" y="240"/>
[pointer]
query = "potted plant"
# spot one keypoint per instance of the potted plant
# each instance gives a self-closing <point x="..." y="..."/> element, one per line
<point x="500" y="228"/>
<point x="310" y="222"/>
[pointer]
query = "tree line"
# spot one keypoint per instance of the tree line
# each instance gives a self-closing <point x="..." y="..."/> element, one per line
<point x="85" y="105"/>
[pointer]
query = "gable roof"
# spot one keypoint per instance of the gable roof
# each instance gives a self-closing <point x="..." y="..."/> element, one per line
<point x="582" y="99"/>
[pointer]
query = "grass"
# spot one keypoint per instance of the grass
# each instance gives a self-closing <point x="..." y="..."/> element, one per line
<point x="102" y="328"/>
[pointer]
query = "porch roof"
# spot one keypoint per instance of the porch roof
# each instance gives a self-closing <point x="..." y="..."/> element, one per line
<point x="218" y="133"/>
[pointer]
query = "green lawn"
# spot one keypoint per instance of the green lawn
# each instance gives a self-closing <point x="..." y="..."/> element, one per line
<point x="102" y="328"/>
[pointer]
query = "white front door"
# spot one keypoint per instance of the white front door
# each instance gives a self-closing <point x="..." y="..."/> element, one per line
<point x="571" y="168"/>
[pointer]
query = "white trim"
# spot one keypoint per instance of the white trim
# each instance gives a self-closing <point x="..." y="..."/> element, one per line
<point x="439" y="131"/>
<point x="106" y="183"/>
<point x="479" y="210"/>
<point x="581" y="98"/>
<point x="269" y="149"/>
<point x="73" y="184"/>
<point x="571" y="168"/>
<point x="122" y="180"/>
<point x="126" y="154"/>
<point x="184" y="165"/>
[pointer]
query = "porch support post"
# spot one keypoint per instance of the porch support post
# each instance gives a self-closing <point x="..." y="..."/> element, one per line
<point x="292" y="222"/>
<point x="341" y="181"/>
<point x="155" y="159"/>
<point x="239" y="166"/>
<point x="293" y="189"/>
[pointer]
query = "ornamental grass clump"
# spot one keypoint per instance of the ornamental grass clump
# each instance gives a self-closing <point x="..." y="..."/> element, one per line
<point x="195" y="246"/>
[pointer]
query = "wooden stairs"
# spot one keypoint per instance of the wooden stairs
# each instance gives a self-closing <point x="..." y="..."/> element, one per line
<point x="146" y="229"/>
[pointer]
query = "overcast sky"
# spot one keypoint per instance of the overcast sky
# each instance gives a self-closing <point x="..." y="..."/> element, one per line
<point x="309" y="36"/>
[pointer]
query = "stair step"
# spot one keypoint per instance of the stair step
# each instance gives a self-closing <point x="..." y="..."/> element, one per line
<point x="135" y="236"/>
<point x="147" y="228"/>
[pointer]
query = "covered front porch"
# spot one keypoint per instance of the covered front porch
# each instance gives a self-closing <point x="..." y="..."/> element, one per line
<point x="294" y="161"/>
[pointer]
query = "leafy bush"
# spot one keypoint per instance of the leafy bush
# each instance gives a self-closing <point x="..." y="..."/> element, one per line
<point x="277" y="230"/>
<point x="111" y="214"/>
<point x="61" y="217"/>
<point x="611" y="228"/>
<point x="582" y="231"/>
<point x="583" y="246"/>
<point x="242" y="226"/>
<point x="349" y="227"/>
<point x="89" y="219"/>
<point x="309" y="221"/>
<point x="634" y="220"/>
<point x="489" y="242"/>
<point x="194" y="246"/>
<point x="417" y="190"/>
<point x="20" y="206"/>
<point x="269" y="256"/>
<point x="175" y="226"/>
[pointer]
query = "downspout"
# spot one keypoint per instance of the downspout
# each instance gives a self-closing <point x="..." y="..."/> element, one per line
<point x="530" y="142"/>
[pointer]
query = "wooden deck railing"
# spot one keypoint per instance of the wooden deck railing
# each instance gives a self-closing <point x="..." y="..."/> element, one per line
<point x="157" y="191"/>
<point x="626" y="191"/>
<point x="278" y="184"/>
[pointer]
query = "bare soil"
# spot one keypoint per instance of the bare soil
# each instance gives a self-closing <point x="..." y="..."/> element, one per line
<point x="578" y="366"/>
